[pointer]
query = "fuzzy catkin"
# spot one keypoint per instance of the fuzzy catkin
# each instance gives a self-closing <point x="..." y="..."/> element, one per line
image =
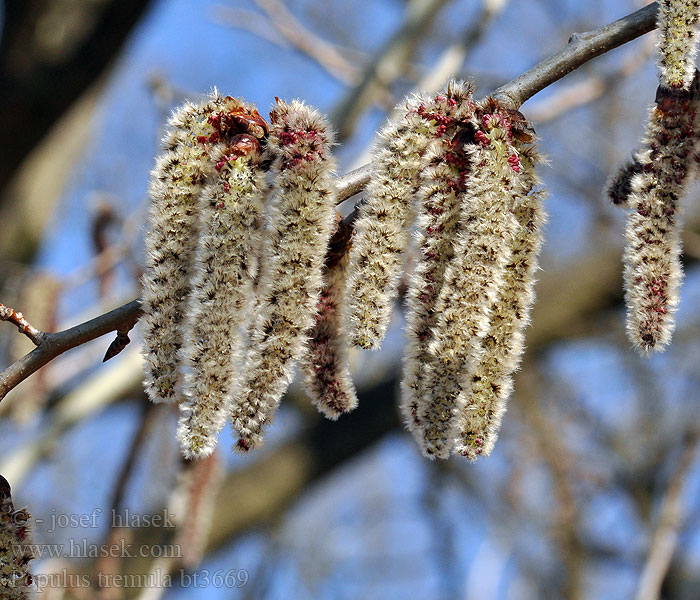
<point x="677" y="46"/>
<point x="382" y="230"/>
<point x="471" y="282"/>
<point x="231" y="212"/>
<point x="171" y="240"/>
<point x="440" y="194"/>
<point x="502" y="346"/>
<point x="652" y="264"/>
<point x="15" y="548"/>
<point x="324" y="363"/>
<point x="300" y="224"/>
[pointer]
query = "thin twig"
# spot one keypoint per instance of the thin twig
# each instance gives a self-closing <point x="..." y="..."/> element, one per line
<point x="279" y="17"/>
<point x="580" y="49"/>
<point x="18" y="320"/>
<point x="671" y="518"/>
<point x="52" y="345"/>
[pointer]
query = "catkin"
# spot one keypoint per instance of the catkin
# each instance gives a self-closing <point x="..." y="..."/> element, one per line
<point x="652" y="257"/>
<point x="16" y="582"/>
<point x="171" y="239"/>
<point x="652" y="265"/>
<point x="300" y="224"/>
<point x="382" y="230"/>
<point x="231" y="212"/>
<point x="503" y="344"/>
<point x="324" y="363"/>
<point x="471" y="282"/>
<point x="443" y="178"/>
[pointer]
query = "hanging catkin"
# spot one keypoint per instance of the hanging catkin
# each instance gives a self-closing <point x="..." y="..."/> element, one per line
<point x="444" y="174"/>
<point x="472" y="280"/>
<point x="300" y="224"/>
<point x="171" y="238"/>
<point x="231" y="210"/>
<point x="652" y="256"/>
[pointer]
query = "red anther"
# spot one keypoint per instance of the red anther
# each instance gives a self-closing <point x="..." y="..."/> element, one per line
<point x="514" y="162"/>
<point x="481" y="138"/>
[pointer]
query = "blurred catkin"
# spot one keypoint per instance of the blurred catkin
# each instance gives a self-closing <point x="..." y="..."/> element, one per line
<point x="652" y="256"/>
<point x="15" y="548"/>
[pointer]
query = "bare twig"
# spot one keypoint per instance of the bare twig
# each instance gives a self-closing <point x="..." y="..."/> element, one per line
<point x="580" y="49"/>
<point x="301" y="38"/>
<point x="18" y="320"/>
<point x="387" y="66"/>
<point x="51" y="345"/>
<point x="589" y="89"/>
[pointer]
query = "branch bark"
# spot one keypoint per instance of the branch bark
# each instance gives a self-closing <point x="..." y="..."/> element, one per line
<point x="580" y="49"/>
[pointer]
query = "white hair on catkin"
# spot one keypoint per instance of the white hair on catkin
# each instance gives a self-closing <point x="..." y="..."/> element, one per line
<point x="324" y="362"/>
<point x="502" y="346"/>
<point x="652" y="256"/>
<point x="677" y="45"/>
<point x="16" y="548"/>
<point x="382" y="230"/>
<point x="472" y="281"/>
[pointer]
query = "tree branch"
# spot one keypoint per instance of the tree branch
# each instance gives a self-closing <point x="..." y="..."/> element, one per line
<point x="52" y="345"/>
<point x="580" y="49"/>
